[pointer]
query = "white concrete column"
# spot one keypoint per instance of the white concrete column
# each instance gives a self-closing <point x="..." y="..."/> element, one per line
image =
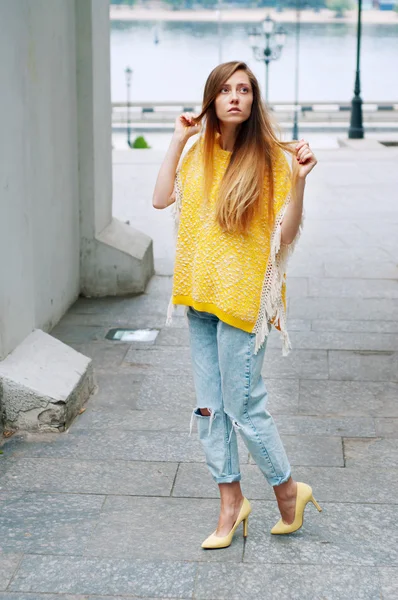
<point x="115" y="258"/>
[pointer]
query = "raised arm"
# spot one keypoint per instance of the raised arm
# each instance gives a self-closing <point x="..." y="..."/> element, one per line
<point x="163" y="194"/>
<point x="303" y="163"/>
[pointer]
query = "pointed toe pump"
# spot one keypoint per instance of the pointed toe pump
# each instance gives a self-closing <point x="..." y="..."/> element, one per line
<point x="214" y="541"/>
<point x="304" y="495"/>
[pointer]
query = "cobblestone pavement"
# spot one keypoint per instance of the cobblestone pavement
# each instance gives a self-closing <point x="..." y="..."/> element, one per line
<point x="119" y="504"/>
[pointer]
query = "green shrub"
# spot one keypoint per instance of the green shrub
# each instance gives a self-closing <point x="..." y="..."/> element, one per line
<point x="140" y="142"/>
<point x="339" y="6"/>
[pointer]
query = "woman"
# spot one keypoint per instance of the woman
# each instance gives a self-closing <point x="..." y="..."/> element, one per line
<point x="239" y="209"/>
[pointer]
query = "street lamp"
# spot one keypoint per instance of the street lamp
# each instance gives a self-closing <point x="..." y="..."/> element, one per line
<point x="128" y="72"/>
<point x="268" y="45"/>
<point x="356" y="130"/>
<point x="295" y="133"/>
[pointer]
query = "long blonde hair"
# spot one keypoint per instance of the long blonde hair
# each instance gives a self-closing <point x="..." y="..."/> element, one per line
<point x="241" y="194"/>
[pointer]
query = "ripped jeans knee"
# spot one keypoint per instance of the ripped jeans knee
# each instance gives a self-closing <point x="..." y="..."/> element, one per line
<point x="210" y="413"/>
<point x="197" y="412"/>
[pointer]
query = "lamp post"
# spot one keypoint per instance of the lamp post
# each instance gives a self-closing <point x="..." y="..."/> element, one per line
<point x="295" y="133"/>
<point x="356" y="130"/>
<point x="128" y="72"/>
<point x="268" y="45"/>
<point x="219" y="30"/>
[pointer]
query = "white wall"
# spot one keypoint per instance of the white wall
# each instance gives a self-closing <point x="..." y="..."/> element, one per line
<point x="39" y="204"/>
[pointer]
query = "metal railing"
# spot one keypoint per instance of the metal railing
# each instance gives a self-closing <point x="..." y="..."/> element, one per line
<point x="166" y="112"/>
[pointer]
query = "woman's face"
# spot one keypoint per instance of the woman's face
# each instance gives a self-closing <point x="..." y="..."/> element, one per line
<point x="235" y="98"/>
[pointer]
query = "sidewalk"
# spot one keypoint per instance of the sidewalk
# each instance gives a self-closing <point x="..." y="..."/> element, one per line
<point x="119" y="505"/>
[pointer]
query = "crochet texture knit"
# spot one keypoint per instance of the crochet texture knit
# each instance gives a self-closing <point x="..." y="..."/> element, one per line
<point x="239" y="278"/>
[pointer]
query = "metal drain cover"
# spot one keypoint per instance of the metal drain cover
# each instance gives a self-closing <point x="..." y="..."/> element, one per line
<point x="132" y="335"/>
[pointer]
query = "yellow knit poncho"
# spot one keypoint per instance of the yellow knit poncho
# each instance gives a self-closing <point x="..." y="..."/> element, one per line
<point x="239" y="278"/>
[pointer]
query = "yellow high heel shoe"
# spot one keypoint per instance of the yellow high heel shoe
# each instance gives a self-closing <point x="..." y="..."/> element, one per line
<point x="214" y="541"/>
<point x="304" y="495"/>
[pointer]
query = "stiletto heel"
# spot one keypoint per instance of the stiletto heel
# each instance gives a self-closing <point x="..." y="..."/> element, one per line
<point x="304" y="495"/>
<point x="315" y="503"/>
<point x="246" y="527"/>
<point x="215" y="541"/>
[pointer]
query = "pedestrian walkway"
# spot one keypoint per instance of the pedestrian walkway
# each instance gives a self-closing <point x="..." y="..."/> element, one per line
<point x="119" y="504"/>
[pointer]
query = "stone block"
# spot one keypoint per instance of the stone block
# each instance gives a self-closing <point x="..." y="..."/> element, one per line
<point x="43" y="384"/>
<point x="118" y="261"/>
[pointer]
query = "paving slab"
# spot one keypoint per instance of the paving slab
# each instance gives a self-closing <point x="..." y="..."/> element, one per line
<point x="128" y="419"/>
<point x="8" y="566"/>
<point x="152" y="446"/>
<point x="159" y="528"/>
<point x="352" y="288"/>
<point x="81" y="476"/>
<point x="118" y="391"/>
<point x="335" y="340"/>
<point x="306" y="364"/>
<point x="326" y="426"/>
<point x="386" y="427"/>
<point x="389" y="582"/>
<point x="104" y="354"/>
<point x="78" y="334"/>
<point x="273" y="581"/>
<point x="166" y="391"/>
<point x="37" y="596"/>
<point x="342" y="534"/>
<point x="376" y="452"/>
<point x="49" y="524"/>
<point x="363" y="366"/>
<point x="107" y="576"/>
<point x="330" y="484"/>
<point x="355" y="325"/>
<point x="168" y="360"/>
<point x="316" y="451"/>
<point x="348" y="398"/>
<point x="343" y="308"/>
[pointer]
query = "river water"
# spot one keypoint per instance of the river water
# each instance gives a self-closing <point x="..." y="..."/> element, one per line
<point x="176" y="68"/>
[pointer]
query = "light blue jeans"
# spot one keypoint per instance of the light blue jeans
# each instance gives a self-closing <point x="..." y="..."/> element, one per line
<point x="228" y="382"/>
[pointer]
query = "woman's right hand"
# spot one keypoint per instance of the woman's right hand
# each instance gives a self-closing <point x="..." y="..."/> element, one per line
<point x="185" y="126"/>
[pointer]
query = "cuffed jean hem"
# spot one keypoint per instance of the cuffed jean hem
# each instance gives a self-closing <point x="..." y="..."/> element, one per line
<point x="275" y="481"/>
<point x="228" y="478"/>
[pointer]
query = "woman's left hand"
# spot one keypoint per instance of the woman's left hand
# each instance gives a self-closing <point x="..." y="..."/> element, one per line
<point x="305" y="159"/>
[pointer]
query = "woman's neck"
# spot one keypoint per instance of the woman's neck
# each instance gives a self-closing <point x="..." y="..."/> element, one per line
<point x="228" y="137"/>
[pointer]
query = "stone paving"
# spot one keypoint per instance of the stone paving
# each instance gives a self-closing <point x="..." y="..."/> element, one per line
<point x="119" y="504"/>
